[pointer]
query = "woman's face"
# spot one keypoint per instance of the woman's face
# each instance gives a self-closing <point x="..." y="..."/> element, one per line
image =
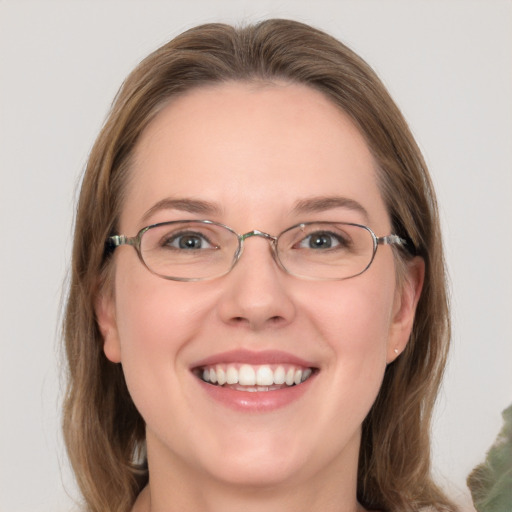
<point x="264" y="157"/>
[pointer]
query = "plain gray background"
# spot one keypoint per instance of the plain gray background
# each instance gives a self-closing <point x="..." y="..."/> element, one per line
<point x="447" y="63"/>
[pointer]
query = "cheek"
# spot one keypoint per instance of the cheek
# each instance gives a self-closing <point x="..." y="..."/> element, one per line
<point x="153" y="314"/>
<point x="155" y="320"/>
<point x="354" y="321"/>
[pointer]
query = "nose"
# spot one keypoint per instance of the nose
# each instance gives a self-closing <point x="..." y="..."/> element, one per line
<point x="255" y="292"/>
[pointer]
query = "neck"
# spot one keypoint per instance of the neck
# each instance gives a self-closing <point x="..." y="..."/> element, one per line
<point x="257" y="501"/>
<point x="175" y="486"/>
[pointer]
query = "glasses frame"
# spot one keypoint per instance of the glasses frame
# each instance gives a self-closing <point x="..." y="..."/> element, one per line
<point x="135" y="241"/>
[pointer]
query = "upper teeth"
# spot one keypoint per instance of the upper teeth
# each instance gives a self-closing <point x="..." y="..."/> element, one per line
<point x="261" y="375"/>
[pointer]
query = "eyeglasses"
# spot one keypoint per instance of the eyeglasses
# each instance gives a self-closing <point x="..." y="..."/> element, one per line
<point x="194" y="250"/>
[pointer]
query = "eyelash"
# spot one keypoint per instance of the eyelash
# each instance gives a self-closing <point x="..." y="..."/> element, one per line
<point x="168" y="239"/>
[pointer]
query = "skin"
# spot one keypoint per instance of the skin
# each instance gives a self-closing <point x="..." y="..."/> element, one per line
<point x="254" y="150"/>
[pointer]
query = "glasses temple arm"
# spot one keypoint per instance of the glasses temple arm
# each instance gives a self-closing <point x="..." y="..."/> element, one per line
<point x="392" y="240"/>
<point x="117" y="240"/>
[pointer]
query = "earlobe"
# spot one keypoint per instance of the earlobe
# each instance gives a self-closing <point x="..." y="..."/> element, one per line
<point x="106" y="318"/>
<point x="404" y="310"/>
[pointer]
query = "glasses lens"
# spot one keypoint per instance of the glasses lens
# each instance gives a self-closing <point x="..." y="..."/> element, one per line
<point x="324" y="250"/>
<point x="188" y="250"/>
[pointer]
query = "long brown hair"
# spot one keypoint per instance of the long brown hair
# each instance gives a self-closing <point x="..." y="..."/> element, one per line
<point x="104" y="432"/>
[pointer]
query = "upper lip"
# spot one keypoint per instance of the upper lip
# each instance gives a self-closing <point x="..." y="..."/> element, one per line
<point x="253" y="358"/>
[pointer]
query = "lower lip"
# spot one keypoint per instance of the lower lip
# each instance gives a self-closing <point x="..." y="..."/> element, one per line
<point x="257" y="401"/>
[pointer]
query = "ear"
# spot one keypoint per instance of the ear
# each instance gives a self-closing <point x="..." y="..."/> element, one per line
<point x="106" y="317"/>
<point x="407" y="296"/>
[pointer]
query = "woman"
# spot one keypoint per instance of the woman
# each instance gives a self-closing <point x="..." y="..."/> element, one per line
<point x="277" y="333"/>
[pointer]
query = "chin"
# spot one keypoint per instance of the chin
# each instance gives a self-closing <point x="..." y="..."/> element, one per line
<point x="249" y="472"/>
<point x="265" y="459"/>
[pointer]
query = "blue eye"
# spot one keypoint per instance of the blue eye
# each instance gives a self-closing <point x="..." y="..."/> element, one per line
<point x="321" y="240"/>
<point x="188" y="241"/>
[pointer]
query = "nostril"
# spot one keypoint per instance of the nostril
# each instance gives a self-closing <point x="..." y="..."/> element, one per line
<point x="274" y="320"/>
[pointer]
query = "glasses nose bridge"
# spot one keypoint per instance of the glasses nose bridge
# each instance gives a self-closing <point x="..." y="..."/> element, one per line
<point x="257" y="232"/>
<point x="262" y="234"/>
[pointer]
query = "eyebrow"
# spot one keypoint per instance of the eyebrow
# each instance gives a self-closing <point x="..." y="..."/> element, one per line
<point x="185" y="205"/>
<point x="310" y="205"/>
<point x="323" y="203"/>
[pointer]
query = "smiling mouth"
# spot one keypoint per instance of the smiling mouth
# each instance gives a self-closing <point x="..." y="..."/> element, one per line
<point x="252" y="378"/>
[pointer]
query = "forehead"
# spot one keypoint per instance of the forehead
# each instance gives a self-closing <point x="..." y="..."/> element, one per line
<point x="255" y="149"/>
